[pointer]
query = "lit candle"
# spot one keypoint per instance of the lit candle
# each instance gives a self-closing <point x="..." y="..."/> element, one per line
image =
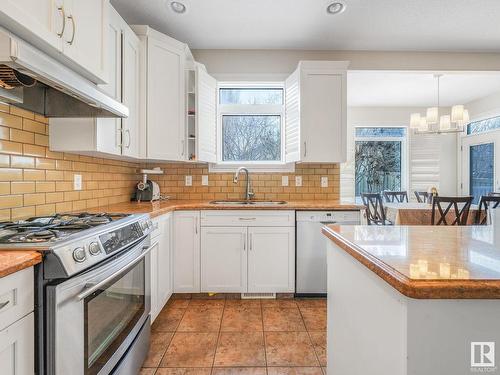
<point x="444" y="270"/>
<point x="414" y="271"/>
<point x="423" y="265"/>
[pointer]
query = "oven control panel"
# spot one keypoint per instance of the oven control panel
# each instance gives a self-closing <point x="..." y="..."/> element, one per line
<point x="79" y="254"/>
<point x="120" y="238"/>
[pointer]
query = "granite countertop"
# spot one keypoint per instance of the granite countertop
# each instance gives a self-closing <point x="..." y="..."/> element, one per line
<point x="13" y="261"/>
<point x="427" y="262"/>
<point x="161" y="207"/>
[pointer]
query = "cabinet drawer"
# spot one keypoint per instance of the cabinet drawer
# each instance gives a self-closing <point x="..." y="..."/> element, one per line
<point x="17" y="347"/>
<point x="248" y="218"/>
<point x="16" y="296"/>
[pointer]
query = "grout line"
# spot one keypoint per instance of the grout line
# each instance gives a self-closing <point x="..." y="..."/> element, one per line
<point x="218" y="336"/>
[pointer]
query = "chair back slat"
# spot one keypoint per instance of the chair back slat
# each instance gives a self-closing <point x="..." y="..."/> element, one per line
<point x="375" y="211"/>
<point x="423" y="196"/>
<point x="486" y="202"/>
<point x="395" y="196"/>
<point x="461" y="214"/>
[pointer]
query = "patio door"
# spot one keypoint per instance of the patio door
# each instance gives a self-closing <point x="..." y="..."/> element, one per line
<point x="480" y="164"/>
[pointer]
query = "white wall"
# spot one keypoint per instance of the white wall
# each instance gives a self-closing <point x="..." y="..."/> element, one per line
<point x="488" y="106"/>
<point x="431" y="159"/>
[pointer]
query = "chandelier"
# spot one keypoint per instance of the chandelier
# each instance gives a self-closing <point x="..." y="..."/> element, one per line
<point x="436" y="123"/>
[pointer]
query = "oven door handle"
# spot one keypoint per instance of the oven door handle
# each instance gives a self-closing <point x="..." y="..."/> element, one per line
<point x="93" y="287"/>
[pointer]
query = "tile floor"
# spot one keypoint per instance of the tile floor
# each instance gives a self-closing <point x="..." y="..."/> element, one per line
<point x="241" y="337"/>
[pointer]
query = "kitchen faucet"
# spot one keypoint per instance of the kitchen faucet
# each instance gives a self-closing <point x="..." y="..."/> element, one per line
<point x="249" y="194"/>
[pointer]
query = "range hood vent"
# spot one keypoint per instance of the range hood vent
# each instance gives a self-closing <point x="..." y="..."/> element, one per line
<point x="32" y="80"/>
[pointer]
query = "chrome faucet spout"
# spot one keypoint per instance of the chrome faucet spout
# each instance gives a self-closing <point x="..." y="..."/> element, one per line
<point x="249" y="194"/>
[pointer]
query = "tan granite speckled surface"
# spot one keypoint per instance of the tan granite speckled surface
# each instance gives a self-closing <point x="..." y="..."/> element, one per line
<point x="162" y="207"/>
<point x="428" y="261"/>
<point x="13" y="261"/>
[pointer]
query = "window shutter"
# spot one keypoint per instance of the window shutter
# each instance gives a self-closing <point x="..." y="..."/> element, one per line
<point x="292" y="118"/>
<point x="207" y="116"/>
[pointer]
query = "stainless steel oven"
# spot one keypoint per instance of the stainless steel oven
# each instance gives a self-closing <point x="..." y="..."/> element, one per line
<point x="96" y="318"/>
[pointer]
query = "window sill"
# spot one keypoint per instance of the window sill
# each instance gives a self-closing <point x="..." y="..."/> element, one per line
<point x="253" y="168"/>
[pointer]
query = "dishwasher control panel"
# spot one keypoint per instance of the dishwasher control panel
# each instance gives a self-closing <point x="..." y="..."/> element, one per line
<point x="341" y="217"/>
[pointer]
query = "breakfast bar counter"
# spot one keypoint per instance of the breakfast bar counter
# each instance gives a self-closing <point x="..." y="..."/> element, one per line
<point x="412" y="299"/>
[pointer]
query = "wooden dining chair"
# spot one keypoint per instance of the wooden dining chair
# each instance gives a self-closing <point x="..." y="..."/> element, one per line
<point x="439" y="214"/>
<point x="375" y="211"/>
<point x="395" y="196"/>
<point x="486" y="202"/>
<point x="423" y="196"/>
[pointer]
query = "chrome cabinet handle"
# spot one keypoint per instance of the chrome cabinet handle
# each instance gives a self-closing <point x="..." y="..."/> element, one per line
<point x="63" y="14"/>
<point x="119" y="137"/>
<point x="92" y="287"/>
<point x="251" y="242"/>
<point x="196" y="225"/>
<point x="244" y="245"/>
<point x="74" y="30"/>
<point x="305" y="149"/>
<point x="183" y="142"/>
<point x="129" y="140"/>
<point x="4" y="304"/>
<point x="247" y="218"/>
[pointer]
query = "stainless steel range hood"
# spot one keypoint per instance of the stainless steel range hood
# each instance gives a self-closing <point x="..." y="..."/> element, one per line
<point x="31" y="80"/>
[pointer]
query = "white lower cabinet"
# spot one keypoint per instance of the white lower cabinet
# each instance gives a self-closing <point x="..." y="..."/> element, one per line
<point x="271" y="259"/>
<point x="239" y="254"/>
<point x="17" y="328"/>
<point x="187" y="252"/>
<point x="161" y="264"/>
<point x="224" y="259"/>
<point x="17" y="347"/>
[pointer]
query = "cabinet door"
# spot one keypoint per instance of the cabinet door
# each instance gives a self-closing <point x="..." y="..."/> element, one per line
<point x="165" y="101"/>
<point x="17" y="347"/>
<point x="206" y="114"/>
<point x="85" y="35"/>
<point x="40" y="22"/>
<point x="224" y="259"/>
<point x="165" y="261"/>
<point x="130" y="95"/>
<point x="155" y="305"/>
<point x="271" y="259"/>
<point x="108" y="130"/>
<point x="292" y="118"/>
<point x="323" y="115"/>
<point x="187" y="252"/>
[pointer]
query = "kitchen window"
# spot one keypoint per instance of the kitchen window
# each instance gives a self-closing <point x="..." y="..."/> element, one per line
<point x="251" y="127"/>
<point x="380" y="157"/>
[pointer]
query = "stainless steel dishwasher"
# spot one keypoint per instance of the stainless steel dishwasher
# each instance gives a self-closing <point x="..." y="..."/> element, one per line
<point x="310" y="273"/>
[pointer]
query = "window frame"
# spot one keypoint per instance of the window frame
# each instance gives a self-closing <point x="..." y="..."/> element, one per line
<point x="245" y="110"/>
<point x="404" y="151"/>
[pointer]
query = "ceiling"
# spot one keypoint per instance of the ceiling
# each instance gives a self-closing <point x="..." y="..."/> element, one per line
<point x="405" y="89"/>
<point x="395" y="25"/>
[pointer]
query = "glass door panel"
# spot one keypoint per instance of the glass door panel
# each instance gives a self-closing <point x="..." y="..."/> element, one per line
<point x="481" y="169"/>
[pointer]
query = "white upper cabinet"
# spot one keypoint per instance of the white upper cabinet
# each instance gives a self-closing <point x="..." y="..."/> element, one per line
<point x="163" y="96"/>
<point x="130" y="92"/>
<point x="72" y="31"/>
<point x="316" y="112"/>
<point x="85" y="35"/>
<point x="108" y="136"/>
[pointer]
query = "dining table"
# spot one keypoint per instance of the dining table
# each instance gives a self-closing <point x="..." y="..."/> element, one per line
<point x="414" y="213"/>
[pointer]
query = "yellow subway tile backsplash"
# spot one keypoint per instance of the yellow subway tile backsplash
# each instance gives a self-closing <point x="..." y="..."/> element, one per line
<point x="11" y="121"/>
<point x="22" y="187"/>
<point x="21" y="136"/>
<point x="13" y="148"/>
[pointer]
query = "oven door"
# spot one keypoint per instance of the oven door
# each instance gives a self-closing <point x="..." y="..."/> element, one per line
<point x="94" y="317"/>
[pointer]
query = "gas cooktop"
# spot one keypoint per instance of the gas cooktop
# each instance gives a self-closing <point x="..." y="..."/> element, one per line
<point x="49" y="229"/>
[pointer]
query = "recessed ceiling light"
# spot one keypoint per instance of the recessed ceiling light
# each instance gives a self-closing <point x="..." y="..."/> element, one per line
<point x="335" y="8"/>
<point x="178" y="7"/>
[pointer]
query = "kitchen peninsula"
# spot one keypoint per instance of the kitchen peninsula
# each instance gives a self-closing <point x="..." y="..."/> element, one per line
<point x="412" y="300"/>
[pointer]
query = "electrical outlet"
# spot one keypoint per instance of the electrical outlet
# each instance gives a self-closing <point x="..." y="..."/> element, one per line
<point x="298" y="181"/>
<point x="189" y="180"/>
<point x="77" y="182"/>
<point x="324" y="182"/>
<point x="284" y="180"/>
<point x="204" y="180"/>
